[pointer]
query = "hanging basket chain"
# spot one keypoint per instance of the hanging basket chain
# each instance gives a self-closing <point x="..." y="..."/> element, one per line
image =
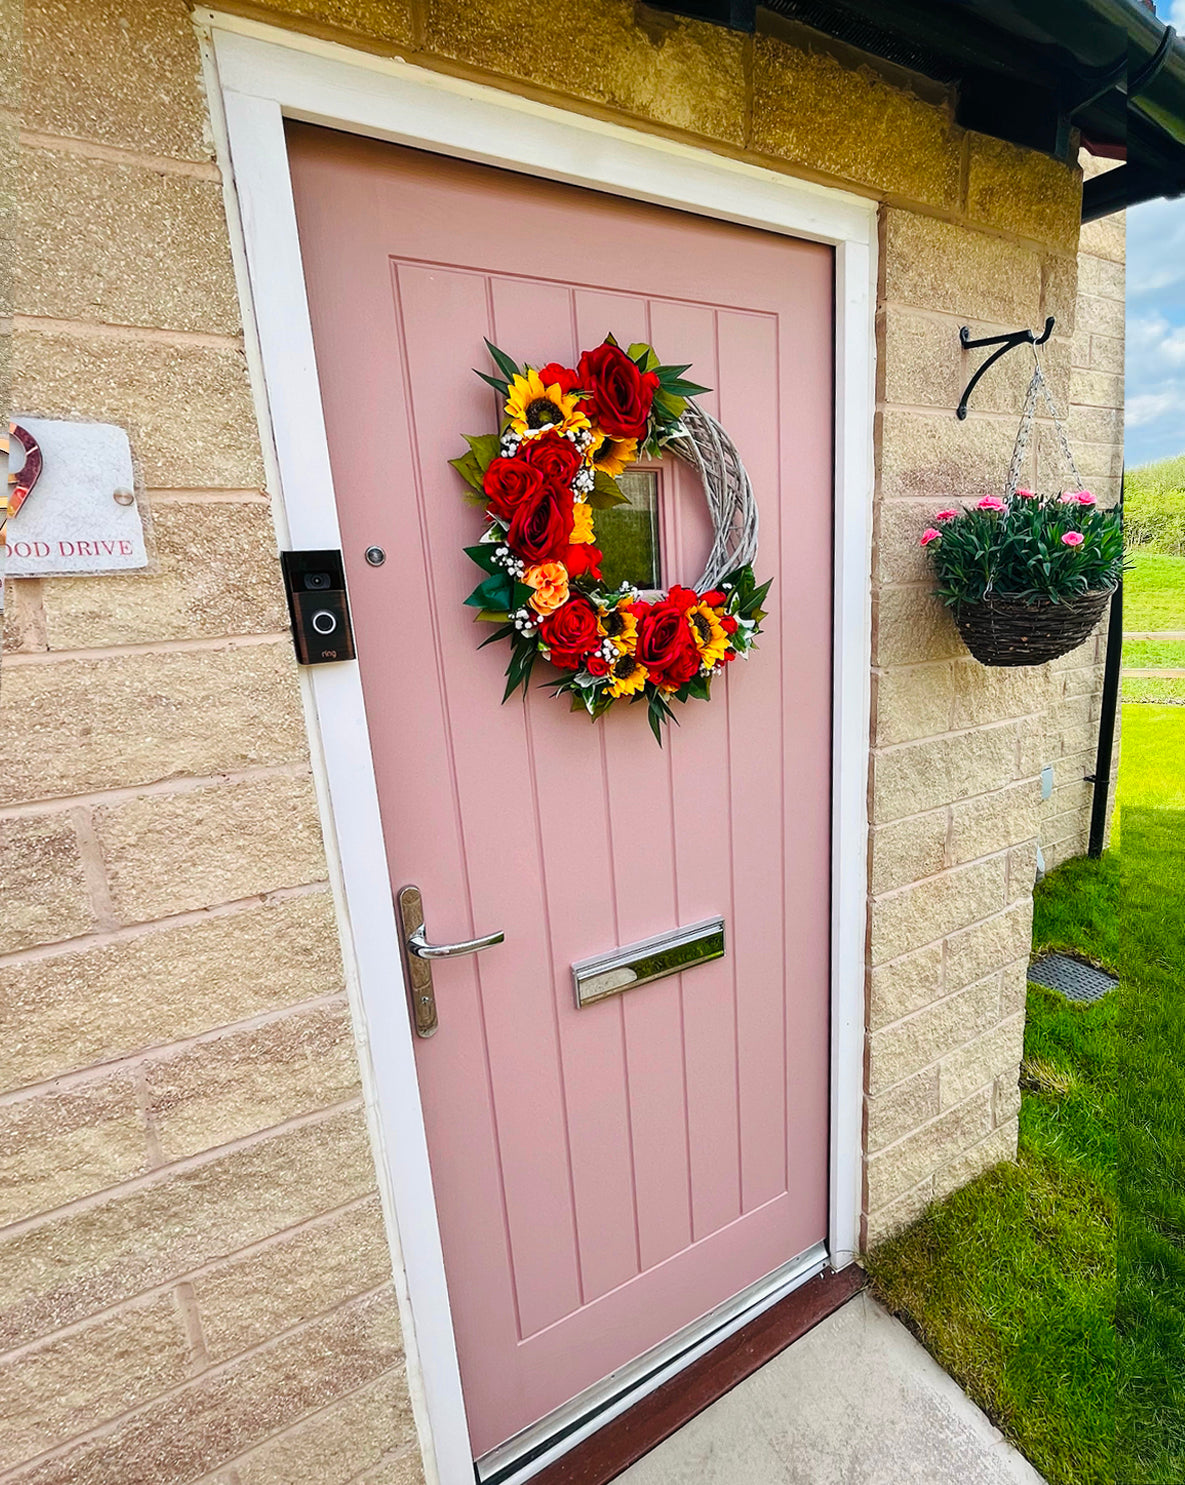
<point x="703" y="444"/>
<point x="1038" y="388"/>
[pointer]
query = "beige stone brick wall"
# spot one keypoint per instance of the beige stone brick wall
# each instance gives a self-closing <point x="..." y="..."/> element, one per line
<point x="194" y="1282"/>
<point x="958" y="750"/>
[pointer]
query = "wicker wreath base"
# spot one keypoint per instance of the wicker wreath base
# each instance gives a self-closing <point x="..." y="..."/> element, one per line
<point x="1007" y="631"/>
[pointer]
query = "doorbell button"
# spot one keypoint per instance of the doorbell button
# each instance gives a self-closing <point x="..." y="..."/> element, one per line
<point x="315" y="583"/>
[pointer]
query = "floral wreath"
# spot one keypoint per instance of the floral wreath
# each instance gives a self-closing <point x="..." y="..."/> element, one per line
<point x="565" y="434"/>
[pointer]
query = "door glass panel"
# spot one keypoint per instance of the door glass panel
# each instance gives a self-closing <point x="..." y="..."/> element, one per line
<point x="628" y="534"/>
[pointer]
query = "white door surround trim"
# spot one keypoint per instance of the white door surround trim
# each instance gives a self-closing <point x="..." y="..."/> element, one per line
<point x="256" y="77"/>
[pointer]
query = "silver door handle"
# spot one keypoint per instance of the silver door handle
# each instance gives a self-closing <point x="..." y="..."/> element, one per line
<point x="419" y="953"/>
<point x="418" y="945"/>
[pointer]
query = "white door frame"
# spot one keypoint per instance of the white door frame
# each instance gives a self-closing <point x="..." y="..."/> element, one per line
<point x="259" y="75"/>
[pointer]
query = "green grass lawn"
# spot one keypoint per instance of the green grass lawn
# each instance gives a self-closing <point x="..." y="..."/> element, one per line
<point x="1053" y="1290"/>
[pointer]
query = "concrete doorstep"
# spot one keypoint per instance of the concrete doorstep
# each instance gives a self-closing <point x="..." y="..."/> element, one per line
<point x="856" y="1402"/>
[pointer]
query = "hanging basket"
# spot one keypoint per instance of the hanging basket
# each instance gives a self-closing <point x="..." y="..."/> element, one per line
<point x="1005" y="630"/>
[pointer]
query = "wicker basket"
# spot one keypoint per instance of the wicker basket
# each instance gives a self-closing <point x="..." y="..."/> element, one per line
<point x="1002" y="630"/>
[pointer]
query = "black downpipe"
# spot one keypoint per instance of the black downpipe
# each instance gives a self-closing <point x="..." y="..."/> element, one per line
<point x="1101" y="778"/>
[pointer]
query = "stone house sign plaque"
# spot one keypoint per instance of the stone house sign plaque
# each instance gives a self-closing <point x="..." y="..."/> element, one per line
<point x="81" y="515"/>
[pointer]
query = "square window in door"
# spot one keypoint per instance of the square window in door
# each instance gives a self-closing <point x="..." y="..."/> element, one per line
<point x="628" y="534"/>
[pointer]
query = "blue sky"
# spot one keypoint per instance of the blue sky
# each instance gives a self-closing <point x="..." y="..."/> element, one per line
<point x="1154" y="403"/>
<point x="1155" y="396"/>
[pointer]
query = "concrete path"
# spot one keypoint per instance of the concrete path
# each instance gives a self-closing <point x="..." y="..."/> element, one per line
<point x="857" y="1401"/>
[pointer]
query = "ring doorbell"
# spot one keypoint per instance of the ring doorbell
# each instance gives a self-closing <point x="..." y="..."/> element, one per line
<point x="316" y="586"/>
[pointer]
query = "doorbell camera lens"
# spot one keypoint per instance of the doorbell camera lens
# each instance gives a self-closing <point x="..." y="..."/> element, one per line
<point x="317" y="581"/>
<point x="323" y="621"/>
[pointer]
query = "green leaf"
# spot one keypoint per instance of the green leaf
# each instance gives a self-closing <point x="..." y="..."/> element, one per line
<point x="483" y="555"/>
<point x="673" y="407"/>
<point x="495" y="592"/>
<point x="682" y="388"/>
<point x="700" y="686"/>
<point x="643" y="357"/>
<point x="521" y="595"/>
<point x="468" y="468"/>
<point x="485" y="448"/>
<point x="518" y="672"/>
<point x="492" y="616"/>
<point x="502" y="361"/>
<point x="658" y="714"/>
<point x="605" y="492"/>
<point x="501" y="387"/>
<point x="503" y="633"/>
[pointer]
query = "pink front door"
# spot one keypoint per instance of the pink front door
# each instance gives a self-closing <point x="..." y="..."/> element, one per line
<point x="603" y="1175"/>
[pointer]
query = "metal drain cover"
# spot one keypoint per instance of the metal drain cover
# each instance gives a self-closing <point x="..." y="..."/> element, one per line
<point x="1075" y="981"/>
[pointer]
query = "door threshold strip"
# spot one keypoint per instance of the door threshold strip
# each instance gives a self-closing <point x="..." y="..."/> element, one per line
<point x="600" y="1432"/>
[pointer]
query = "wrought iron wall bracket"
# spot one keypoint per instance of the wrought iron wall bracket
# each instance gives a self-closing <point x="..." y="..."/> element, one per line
<point x="1005" y="343"/>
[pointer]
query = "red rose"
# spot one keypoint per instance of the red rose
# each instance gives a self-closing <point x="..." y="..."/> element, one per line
<point x="714" y="599"/>
<point x="597" y="665"/>
<point x="684" y="599"/>
<point x="553" y="456"/>
<point x="583" y="559"/>
<point x="728" y="624"/>
<point x="541" y="524"/>
<point x="555" y="375"/>
<point x="665" y="646"/>
<point x="571" y="633"/>
<point x="620" y="396"/>
<point x="508" y="482"/>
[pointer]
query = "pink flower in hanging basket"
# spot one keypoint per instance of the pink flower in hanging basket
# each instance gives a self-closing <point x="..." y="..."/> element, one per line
<point x="946" y="515"/>
<point x="929" y="535"/>
<point x="1084" y="497"/>
<point x="1073" y="539"/>
<point x="991" y="502"/>
<point x="1026" y="494"/>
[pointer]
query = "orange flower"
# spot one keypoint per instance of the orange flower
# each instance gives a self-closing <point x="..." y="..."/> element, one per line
<point x="550" y="582"/>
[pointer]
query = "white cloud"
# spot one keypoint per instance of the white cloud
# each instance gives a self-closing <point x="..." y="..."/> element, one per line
<point x="1149" y="408"/>
<point x="1155" y="342"/>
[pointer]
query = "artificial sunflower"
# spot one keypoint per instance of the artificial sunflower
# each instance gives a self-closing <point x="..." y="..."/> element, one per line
<point x="582" y="524"/>
<point x="534" y="408"/>
<point x="627" y="676"/>
<point x="708" y="633"/>
<point x="619" y="625"/>
<point x="612" y="454"/>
